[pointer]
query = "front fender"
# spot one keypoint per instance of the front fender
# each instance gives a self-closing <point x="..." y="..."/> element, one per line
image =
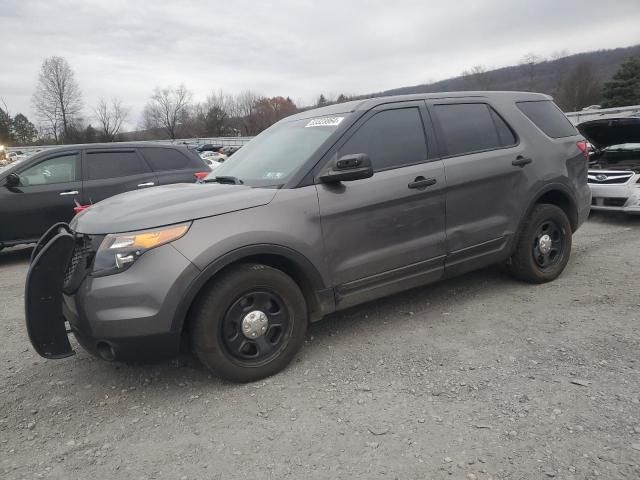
<point x="325" y="298"/>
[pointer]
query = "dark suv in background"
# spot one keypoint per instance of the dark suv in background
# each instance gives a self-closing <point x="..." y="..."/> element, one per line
<point x="324" y="210"/>
<point x="42" y="190"/>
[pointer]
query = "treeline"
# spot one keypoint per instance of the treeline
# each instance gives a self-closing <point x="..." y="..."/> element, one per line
<point x="606" y="77"/>
<point x="596" y="78"/>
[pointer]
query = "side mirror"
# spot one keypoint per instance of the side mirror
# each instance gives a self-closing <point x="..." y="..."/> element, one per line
<point x="348" y="167"/>
<point x="13" y="180"/>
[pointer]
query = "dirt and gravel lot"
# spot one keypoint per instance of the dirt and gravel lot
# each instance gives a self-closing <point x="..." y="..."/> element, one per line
<point x="475" y="378"/>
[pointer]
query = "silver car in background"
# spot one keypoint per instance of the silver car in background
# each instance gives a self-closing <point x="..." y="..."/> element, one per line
<point x="614" y="166"/>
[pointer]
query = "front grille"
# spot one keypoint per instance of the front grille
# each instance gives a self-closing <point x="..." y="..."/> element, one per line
<point x="80" y="260"/>
<point x="610" y="178"/>
<point x="614" y="202"/>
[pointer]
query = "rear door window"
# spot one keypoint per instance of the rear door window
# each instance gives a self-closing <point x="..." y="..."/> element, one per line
<point x="163" y="159"/>
<point x="391" y="139"/>
<point x="548" y="118"/>
<point x="114" y="164"/>
<point x="472" y="127"/>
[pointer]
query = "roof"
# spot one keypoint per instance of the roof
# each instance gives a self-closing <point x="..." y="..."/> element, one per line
<point x="367" y="103"/>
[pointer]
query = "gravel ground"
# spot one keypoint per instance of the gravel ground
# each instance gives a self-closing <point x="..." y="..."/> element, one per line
<point x="475" y="378"/>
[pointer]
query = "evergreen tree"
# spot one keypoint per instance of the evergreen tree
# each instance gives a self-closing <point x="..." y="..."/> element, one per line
<point x="23" y="130"/>
<point x="5" y="128"/>
<point x="624" y="87"/>
<point x="322" y="101"/>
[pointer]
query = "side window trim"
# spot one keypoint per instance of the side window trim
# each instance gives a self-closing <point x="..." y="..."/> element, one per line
<point x="55" y="155"/>
<point x="501" y="117"/>
<point x="431" y="104"/>
<point x="427" y="128"/>
<point x="141" y="156"/>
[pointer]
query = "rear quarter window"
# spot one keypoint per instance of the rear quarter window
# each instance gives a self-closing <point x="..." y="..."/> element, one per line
<point x="548" y="117"/>
<point x="163" y="159"/>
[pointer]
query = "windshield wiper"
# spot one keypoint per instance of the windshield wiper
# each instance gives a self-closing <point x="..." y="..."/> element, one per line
<point x="224" y="179"/>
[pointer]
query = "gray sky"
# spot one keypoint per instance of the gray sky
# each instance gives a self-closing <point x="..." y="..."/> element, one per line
<point x="288" y="47"/>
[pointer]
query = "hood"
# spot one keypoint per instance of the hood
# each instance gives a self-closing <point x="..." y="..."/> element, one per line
<point x="165" y="205"/>
<point x="613" y="131"/>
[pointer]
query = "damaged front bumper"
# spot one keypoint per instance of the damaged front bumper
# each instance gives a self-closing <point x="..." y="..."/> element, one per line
<point x="126" y="316"/>
<point x="43" y="293"/>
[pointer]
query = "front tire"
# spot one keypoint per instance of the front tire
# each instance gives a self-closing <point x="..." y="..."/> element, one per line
<point x="249" y="323"/>
<point x="544" y="245"/>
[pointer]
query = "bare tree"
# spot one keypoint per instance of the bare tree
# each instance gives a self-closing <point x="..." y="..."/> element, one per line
<point x="529" y="62"/>
<point x="580" y="88"/>
<point x="111" y="116"/>
<point x="477" y="77"/>
<point x="167" y="108"/>
<point x="57" y="99"/>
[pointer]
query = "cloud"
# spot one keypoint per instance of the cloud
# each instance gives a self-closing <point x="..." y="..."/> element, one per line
<point x="296" y="47"/>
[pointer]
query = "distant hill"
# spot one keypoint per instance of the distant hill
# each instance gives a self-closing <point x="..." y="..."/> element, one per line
<point x="545" y="76"/>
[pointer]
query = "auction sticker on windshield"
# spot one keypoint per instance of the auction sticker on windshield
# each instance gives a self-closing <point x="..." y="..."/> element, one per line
<point x="324" y="122"/>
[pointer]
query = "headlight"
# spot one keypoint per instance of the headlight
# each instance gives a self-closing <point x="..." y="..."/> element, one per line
<point x="118" y="251"/>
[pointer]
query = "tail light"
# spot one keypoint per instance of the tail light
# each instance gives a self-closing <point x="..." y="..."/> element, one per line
<point x="201" y="175"/>
<point x="584" y="148"/>
<point x="80" y="208"/>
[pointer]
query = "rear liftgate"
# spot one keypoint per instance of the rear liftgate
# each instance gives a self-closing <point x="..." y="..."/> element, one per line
<point x="43" y="293"/>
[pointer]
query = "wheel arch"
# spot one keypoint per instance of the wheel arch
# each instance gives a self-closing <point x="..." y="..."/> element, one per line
<point x="559" y="195"/>
<point x="554" y="194"/>
<point x="319" y="298"/>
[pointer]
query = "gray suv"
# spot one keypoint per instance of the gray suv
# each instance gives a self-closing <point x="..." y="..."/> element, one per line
<point x="325" y="210"/>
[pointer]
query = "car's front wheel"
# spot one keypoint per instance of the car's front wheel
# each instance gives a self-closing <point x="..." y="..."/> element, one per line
<point x="249" y="323"/>
<point x="544" y="245"/>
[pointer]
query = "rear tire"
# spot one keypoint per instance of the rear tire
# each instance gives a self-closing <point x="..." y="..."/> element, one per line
<point x="249" y="323"/>
<point x="544" y="245"/>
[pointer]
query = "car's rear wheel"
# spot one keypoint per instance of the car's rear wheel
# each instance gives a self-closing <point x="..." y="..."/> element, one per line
<point x="249" y="323"/>
<point x="544" y="245"/>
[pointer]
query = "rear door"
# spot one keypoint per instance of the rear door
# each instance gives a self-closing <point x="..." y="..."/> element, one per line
<point x="109" y="172"/>
<point x="173" y="165"/>
<point x="484" y="186"/>
<point x="45" y="196"/>
<point x="385" y="233"/>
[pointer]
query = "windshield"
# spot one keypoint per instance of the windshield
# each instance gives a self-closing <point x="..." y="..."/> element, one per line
<point x="274" y="155"/>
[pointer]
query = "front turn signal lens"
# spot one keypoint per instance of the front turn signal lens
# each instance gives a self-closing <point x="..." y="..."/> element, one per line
<point x="144" y="240"/>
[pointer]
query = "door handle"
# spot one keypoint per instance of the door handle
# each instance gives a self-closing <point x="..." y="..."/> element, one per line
<point x="72" y="192"/>
<point x="421" y="182"/>
<point x="521" y="161"/>
<point x="148" y="184"/>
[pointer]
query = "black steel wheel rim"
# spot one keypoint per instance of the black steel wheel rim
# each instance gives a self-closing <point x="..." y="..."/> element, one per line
<point x="264" y="348"/>
<point x="547" y="258"/>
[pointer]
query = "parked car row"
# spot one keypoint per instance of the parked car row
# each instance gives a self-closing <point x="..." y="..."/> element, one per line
<point x="45" y="188"/>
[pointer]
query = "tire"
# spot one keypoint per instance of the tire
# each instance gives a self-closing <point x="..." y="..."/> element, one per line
<point x="224" y="310"/>
<point x="530" y="262"/>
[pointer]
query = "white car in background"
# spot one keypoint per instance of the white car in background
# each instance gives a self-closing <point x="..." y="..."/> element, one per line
<point x="614" y="166"/>
<point x="215" y="156"/>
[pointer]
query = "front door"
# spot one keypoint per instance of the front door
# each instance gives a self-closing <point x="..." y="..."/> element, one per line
<point x="46" y="195"/>
<point x="385" y="233"/>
